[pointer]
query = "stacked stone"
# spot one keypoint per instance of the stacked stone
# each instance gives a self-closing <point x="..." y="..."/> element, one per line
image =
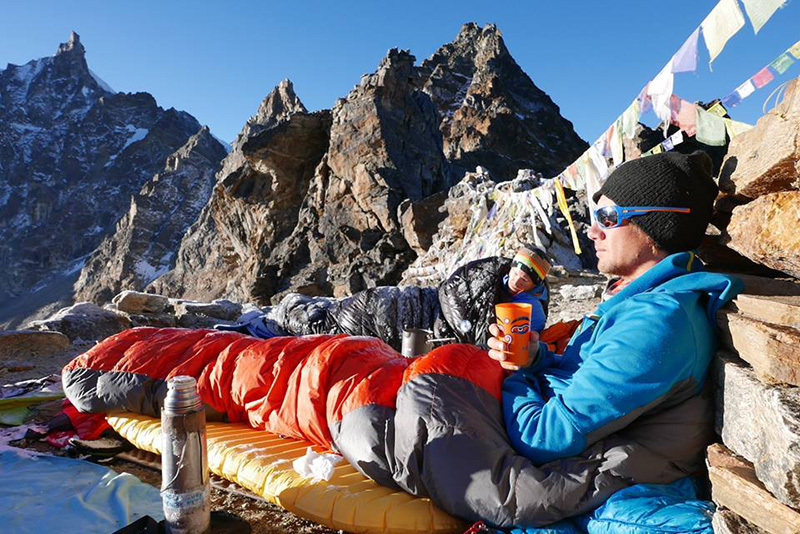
<point x="755" y="472"/>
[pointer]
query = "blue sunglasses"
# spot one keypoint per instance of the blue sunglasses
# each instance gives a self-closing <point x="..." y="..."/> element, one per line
<point x="613" y="216"/>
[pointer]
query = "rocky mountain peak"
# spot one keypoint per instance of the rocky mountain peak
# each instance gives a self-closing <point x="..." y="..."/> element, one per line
<point x="278" y="105"/>
<point x="62" y="130"/>
<point x="72" y="45"/>
<point x="482" y="95"/>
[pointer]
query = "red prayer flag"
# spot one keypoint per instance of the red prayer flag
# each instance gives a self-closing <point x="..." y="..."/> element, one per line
<point x="762" y="78"/>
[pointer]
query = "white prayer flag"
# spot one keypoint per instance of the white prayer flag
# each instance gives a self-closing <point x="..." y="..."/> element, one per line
<point x="760" y="11"/>
<point x="720" y="25"/>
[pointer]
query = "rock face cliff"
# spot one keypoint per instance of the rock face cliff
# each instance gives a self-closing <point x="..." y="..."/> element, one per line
<point x="255" y="203"/>
<point x="72" y="152"/>
<point x="317" y="202"/>
<point x="145" y="240"/>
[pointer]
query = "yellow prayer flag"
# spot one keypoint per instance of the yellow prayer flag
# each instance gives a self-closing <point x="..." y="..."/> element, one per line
<point x="718" y="109"/>
<point x="735" y="128"/>
<point x="562" y="204"/>
<point x="658" y="149"/>
<point x="795" y="50"/>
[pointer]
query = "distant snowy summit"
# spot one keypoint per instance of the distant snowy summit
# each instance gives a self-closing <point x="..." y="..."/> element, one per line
<point x="73" y="152"/>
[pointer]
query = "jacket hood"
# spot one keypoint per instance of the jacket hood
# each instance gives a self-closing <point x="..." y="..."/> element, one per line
<point x="679" y="273"/>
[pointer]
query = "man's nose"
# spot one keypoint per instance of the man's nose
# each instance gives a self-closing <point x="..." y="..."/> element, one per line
<point x="595" y="232"/>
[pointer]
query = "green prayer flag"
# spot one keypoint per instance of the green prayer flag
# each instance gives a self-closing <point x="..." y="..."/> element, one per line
<point x="630" y="119"/>
<point x="710" y="128"/>
<point x="783" y="62"/>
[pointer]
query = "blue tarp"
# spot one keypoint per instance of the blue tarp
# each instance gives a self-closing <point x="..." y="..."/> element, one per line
<point x="53" y="494"/>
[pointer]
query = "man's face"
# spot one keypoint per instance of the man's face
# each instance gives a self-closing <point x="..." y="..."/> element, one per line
<point x="620" y="251"/>
<point x="519" y="281"/>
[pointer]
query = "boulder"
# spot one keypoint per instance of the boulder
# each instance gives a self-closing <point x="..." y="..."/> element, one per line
<point x="760" y="422"/>
<point x="779" y="309"/>
<point x="772" y="349"/>
<point x="135" y="302"/>
<point x="20" y="343"/>
<point x="727" y="522"/>
<point x="84" y="321"/>
<point x="734" y="485"/>
<point x="218" y="309"/>
<point x="765" y="231"/>
<point x="571" y="292"/>
<point x="766" y="159"/>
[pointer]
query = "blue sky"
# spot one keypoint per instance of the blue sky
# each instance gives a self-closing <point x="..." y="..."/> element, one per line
<point x="217" y="60"/>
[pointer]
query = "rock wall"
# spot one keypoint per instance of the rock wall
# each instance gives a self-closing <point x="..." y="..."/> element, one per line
<point x="755" y="475"/>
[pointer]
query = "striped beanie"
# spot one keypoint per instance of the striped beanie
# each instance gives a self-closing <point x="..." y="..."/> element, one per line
<point x="530" y="259"/>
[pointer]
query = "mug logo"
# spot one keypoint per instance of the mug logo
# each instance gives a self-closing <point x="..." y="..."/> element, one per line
<point x="520" y="325"/>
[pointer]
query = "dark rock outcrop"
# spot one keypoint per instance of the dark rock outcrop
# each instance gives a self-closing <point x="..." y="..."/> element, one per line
<point x="72" y="152"/>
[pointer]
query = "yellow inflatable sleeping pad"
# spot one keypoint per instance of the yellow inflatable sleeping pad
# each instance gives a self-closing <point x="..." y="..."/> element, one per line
<point x="262" y="463"/>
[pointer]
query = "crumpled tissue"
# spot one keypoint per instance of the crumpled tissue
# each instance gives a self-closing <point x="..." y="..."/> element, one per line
<point x="318" y="466"/>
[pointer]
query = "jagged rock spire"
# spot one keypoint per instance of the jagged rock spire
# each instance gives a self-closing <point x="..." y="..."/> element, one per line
<point x="72" y="45"/>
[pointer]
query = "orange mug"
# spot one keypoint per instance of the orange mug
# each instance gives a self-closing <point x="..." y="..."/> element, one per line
<point x="514" y="321"/>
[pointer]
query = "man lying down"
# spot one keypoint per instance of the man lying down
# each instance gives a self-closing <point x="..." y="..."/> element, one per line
<point x="606" y="438"/>
<point x="459" y="310"/>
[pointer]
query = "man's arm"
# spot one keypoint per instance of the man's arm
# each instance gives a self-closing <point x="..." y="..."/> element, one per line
<point x="639" y="353"/>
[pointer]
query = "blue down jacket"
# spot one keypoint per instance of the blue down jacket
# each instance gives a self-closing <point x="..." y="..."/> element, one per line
<point x="644" y="353"/>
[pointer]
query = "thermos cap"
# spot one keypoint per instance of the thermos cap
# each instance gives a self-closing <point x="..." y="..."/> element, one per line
<point x="182" y="396"/>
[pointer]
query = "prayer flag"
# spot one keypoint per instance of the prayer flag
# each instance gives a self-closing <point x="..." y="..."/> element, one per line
<point x="746" y="89"/>
<point x="762" y="78"/>
<point x="658" y="149"/>
<point x="760" y="11"/>
<point x="660" y="91"/>
<point x="630" y="119"/>
<point x="720" y="25"/>
<point x="685" y="59"/>
<point x="562" y="204"/>
<point x="795" y="50"/>
<point x="617" y="150"/>
<point x="645" y="104"/>
<point x="599" y="162"/>
<point x="731" y="100"/>
<point x="783" y="62"/>
<point x="735" y="128"/>
<point x="676" y="138"/>
<point x="710" y="128"/>
<point x="718" y="109"/>
<point x="667" y="144"/>
<point x="684" y="116"/>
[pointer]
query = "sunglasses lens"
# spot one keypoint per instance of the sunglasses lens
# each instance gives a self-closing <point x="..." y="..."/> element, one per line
<point x="607" y="217"/>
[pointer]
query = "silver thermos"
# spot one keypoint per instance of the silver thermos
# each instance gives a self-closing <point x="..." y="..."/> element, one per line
<point x="185" y="490"/>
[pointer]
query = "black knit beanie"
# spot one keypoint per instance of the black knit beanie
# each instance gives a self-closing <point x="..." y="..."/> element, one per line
<point x="668" y="179"/>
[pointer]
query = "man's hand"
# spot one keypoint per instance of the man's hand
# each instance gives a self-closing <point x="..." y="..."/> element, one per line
<point x="497" y="349"/>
